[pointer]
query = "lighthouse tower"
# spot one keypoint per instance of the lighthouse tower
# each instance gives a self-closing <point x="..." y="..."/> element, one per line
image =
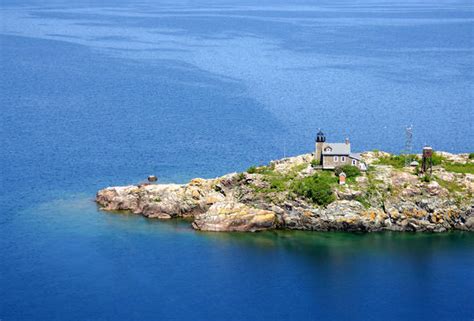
<point x="320" y="139"/>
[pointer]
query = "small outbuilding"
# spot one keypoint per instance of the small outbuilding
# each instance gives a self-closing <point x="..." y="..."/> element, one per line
<point x="342" y="178"/>
<point x="414" y="163"/>
<point x="152" y="178"/>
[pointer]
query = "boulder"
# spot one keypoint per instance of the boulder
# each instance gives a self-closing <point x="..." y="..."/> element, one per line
<point x="403" y="179"/>
<point x="435" y="189"/>
<point x="470" y="223"/>
<point x="347" y="193"/>
<point x="371" y="157"/>
<point x="119" y="198"/>
<point x="234" y="216"/>
<point x="285" y="165"/>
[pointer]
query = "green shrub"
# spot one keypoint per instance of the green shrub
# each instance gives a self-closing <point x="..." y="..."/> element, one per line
<point x="471" y="155"/>
<point x="314" y="163"/>
<point x="437" y="159"/>
<point x="240" y="177"/>
<point x="260" y="169"/>
<point x="426" y="178"/>
<point x="252" y="170"/>
<point x="349" y="170"/>
<point x="316" y="188"/>
<point x="278" y="183"/>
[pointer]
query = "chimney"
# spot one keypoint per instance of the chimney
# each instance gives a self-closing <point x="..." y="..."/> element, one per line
<point x="347" y="141"/>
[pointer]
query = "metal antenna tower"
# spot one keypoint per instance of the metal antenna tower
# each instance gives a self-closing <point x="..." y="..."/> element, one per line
<point x="408" y="144"/>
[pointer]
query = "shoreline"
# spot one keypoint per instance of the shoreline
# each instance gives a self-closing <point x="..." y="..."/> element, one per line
<point x="291" y="194"/>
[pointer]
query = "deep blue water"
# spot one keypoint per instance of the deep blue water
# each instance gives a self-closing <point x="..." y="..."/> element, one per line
<point x="100" y="93"/>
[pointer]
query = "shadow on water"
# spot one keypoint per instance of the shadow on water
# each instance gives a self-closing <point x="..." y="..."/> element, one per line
<point x="326" y="246"/>
<point x="344" y="243"/>
<point x="83" y="213"/>
<point x="303" y="242"/>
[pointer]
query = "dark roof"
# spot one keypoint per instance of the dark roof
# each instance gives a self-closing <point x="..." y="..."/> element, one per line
<point x="320" y="137"/>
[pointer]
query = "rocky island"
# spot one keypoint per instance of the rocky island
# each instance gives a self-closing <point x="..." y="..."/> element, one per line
<point x="293" y="193"/>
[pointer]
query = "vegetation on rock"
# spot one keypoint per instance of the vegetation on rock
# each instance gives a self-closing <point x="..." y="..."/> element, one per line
<point x="292" y="193"/>
<point x="397" y="161"/>
<point x="277" y="181"/>
<point x="317" y="188"/>
<point x="452" y="187"/>
<point x="252" y="170"/>
<point x="350" y="171"/>
<point x="467" y="168"/>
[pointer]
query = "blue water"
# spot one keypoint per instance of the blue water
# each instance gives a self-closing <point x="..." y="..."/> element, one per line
<point x="100" y="93"/>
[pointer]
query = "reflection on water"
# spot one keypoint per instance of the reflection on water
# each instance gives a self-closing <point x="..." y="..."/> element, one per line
<point x="342" y="244"/>
<point x="83" y="211"/>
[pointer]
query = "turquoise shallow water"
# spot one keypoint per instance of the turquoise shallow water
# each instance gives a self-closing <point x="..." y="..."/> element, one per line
<point x="100" y="93"/>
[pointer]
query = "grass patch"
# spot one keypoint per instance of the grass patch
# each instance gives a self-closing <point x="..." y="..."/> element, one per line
<point x="374" y="194"/>
<point x="364" y="201"/>
<point x="467" y="168"/>
<point x="452" y="187"/>
<point x="298" y="168"/>
<point x="278" y="182"/>
<point x="240" y="177"/>
<point x="397" y="161"/>
<point x="260" y="169"/>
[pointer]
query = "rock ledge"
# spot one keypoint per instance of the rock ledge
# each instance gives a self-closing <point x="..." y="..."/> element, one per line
<point x="384" y="198"/>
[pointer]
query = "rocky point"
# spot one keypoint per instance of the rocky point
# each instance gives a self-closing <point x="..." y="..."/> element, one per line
<point x="385" y="197"/>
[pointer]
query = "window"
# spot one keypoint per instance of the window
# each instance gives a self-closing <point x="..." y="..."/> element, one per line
<point x="336" y="159"/>
<point x="354" y="162"/>
<point x="343" y="158"/>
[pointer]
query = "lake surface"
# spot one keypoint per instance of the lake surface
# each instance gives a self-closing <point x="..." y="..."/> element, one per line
<point x="100" y="93"/>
